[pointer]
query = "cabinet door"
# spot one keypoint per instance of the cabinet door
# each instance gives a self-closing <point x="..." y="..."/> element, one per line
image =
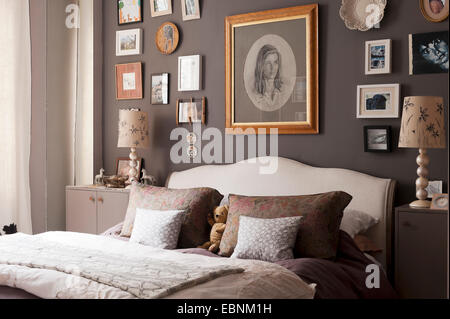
<point x="81" y="214"/>
<point x="421" y="255"/>
<point x="112" y="207"/>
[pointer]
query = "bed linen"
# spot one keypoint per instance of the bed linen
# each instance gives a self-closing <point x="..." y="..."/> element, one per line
<point x="241" y="279"/>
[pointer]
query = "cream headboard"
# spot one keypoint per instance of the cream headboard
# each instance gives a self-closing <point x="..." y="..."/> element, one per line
<point x="372" y="195"/>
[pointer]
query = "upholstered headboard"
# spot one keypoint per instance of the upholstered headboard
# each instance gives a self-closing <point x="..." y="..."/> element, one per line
<point x="372" y="195"/>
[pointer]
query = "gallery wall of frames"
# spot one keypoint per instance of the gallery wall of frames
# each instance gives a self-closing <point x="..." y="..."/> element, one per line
<point x="168" y="58"/>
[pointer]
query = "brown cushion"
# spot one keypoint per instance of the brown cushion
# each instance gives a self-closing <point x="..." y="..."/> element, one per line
<point x="319" y="231"/>
<point x="197" y="202"/>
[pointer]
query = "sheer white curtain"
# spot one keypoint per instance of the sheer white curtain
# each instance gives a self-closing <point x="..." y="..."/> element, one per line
<point x="15" y="114"/>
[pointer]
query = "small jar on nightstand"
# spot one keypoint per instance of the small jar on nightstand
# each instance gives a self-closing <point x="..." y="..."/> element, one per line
<point x="420" y="250"/>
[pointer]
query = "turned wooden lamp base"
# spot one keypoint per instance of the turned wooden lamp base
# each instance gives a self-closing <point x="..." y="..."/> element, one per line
<point x="422" y="182"/>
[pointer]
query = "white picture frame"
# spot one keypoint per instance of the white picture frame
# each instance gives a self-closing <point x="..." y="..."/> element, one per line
<point x="189" y="73"/>
<point x="433" y="188"/>
<point x="378" y="101"/>
<point x="131" y="38"/>
<point x="155" y="12"/>
<point x="190" y="9"/>
<point x="378" y="56"/>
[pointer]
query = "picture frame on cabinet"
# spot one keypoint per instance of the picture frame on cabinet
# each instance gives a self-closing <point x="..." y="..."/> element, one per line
<point x="378" y="101"/>
<point x="129" y="42"/>
<point x="378" y="57"/>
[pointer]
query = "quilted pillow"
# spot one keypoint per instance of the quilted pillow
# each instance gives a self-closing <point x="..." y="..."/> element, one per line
<point x="157" y="228"/>
<point x="319" y="230"/>
<point x="269" y="240"/>
<point x="196" y="202"/>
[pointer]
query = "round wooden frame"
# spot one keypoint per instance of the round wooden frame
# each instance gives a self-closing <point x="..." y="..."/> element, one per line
<point x="424" y="13"/>
<point x="160" y="39"/>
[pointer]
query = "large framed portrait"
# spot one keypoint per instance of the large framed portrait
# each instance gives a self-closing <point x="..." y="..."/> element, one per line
<point x="272" y="71"/>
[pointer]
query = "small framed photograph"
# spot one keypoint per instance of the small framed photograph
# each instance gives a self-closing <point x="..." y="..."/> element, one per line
<point x="378" y="57"/>
<point x="129" y="81"/>
<point x="160" y="7"/>
<point x="190" y="9"/>
<point x="129" y="11"/>
<point x="428" y="53"/>
<point x="189" y="73"/>
<point x="433" y="188"/>
<point x="123" y="166"/>
<point x="378" y="101"/>
<point x="434" y="10"/>
<point x="440" y="201"/>
<point x="167" y="38"/>
<point x="160" y="88"/>
<point x="191" y="111"/>
<point x="377" y="139"/>
<point x="128" y="42"/>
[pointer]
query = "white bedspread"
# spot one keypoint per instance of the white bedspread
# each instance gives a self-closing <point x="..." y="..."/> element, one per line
<point x="89" y="266"/>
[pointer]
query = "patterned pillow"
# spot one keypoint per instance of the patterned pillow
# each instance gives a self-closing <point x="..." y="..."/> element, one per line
<point x="266" y="239"/>
<point x="157" y="228"/>
<point x="319" y="230"/>
<point x="196" y="202"/>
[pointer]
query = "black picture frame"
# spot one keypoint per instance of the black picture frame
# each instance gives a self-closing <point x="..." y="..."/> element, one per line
<point x="129" y="23"/>
<point x="388" y="143"/>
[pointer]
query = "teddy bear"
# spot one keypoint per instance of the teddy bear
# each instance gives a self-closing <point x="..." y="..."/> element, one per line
<point x="218" y="223"/>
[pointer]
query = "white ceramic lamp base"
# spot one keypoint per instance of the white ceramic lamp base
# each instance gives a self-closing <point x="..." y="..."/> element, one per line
<point x="422" y="182"/>
<point x="133" y="173"/>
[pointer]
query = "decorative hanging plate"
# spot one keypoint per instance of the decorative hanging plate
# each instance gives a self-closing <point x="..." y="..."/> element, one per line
<point x="167" y="38"/>
<point x="362" y="15"/>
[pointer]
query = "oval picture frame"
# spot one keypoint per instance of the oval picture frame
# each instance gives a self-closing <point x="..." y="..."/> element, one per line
<point x="167" y="38"/>
<point x="426" y="11"/>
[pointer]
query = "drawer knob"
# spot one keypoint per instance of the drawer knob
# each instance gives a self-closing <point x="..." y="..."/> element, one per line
<point x="407" y="224"/>
<point x="100" y="199"/>
<point x="92" y="199"/>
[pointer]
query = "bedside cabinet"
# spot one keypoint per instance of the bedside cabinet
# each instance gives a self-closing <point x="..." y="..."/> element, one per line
<point x="93" y="210"/>
<point x="420" y="253"/>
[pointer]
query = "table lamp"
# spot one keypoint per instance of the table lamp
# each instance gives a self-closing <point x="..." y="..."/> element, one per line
<point x="133" y="133"/>
<point x="423" y="127"/>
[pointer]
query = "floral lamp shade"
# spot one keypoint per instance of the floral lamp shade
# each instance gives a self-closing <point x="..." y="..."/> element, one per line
<point x="423" y="124"/>
<point x="133" y="129"/>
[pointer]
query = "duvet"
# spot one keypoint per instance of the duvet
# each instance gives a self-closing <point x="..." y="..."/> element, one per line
<point x="74" y="265"/>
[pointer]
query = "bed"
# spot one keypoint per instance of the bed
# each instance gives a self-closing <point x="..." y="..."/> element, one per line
<point x="342" y="277"/>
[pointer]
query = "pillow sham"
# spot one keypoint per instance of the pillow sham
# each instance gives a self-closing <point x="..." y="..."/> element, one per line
<point x="355" y="222"/>
<point x="196" y="202"/>
<point x="157" y="228"/>
<point x="319" y="230"/>
<point x="266" y="239"/>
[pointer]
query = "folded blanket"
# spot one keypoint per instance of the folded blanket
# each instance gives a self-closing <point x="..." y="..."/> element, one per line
<point x="144" y="277"/>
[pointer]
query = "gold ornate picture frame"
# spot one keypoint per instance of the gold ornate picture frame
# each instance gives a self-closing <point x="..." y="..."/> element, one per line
<point x="272" y="71"/>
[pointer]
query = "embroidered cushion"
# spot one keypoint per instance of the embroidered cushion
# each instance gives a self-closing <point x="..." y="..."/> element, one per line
<point x="266" y="239"/>
<point x="196" y="202"/>
<point x="319" y="230"/>
<point x="157" y="228"/>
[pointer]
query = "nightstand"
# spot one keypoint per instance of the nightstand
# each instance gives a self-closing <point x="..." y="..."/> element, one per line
<point x="420" y="253"/>
<point x="93" y="210"/>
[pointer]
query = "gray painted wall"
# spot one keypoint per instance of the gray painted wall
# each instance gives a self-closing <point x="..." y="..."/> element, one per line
<point x="341" y="59"/>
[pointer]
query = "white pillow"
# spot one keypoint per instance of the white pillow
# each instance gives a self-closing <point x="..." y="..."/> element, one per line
<point x="157" y="228"/>
<point x="266" y="239"/>
<point x="355" y="222"/>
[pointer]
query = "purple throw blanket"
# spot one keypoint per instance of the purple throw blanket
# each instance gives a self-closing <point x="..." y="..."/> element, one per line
<point x="342" y="278"/>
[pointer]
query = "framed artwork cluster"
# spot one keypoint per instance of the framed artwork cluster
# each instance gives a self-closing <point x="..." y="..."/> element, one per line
<point x="129" y="76"/>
